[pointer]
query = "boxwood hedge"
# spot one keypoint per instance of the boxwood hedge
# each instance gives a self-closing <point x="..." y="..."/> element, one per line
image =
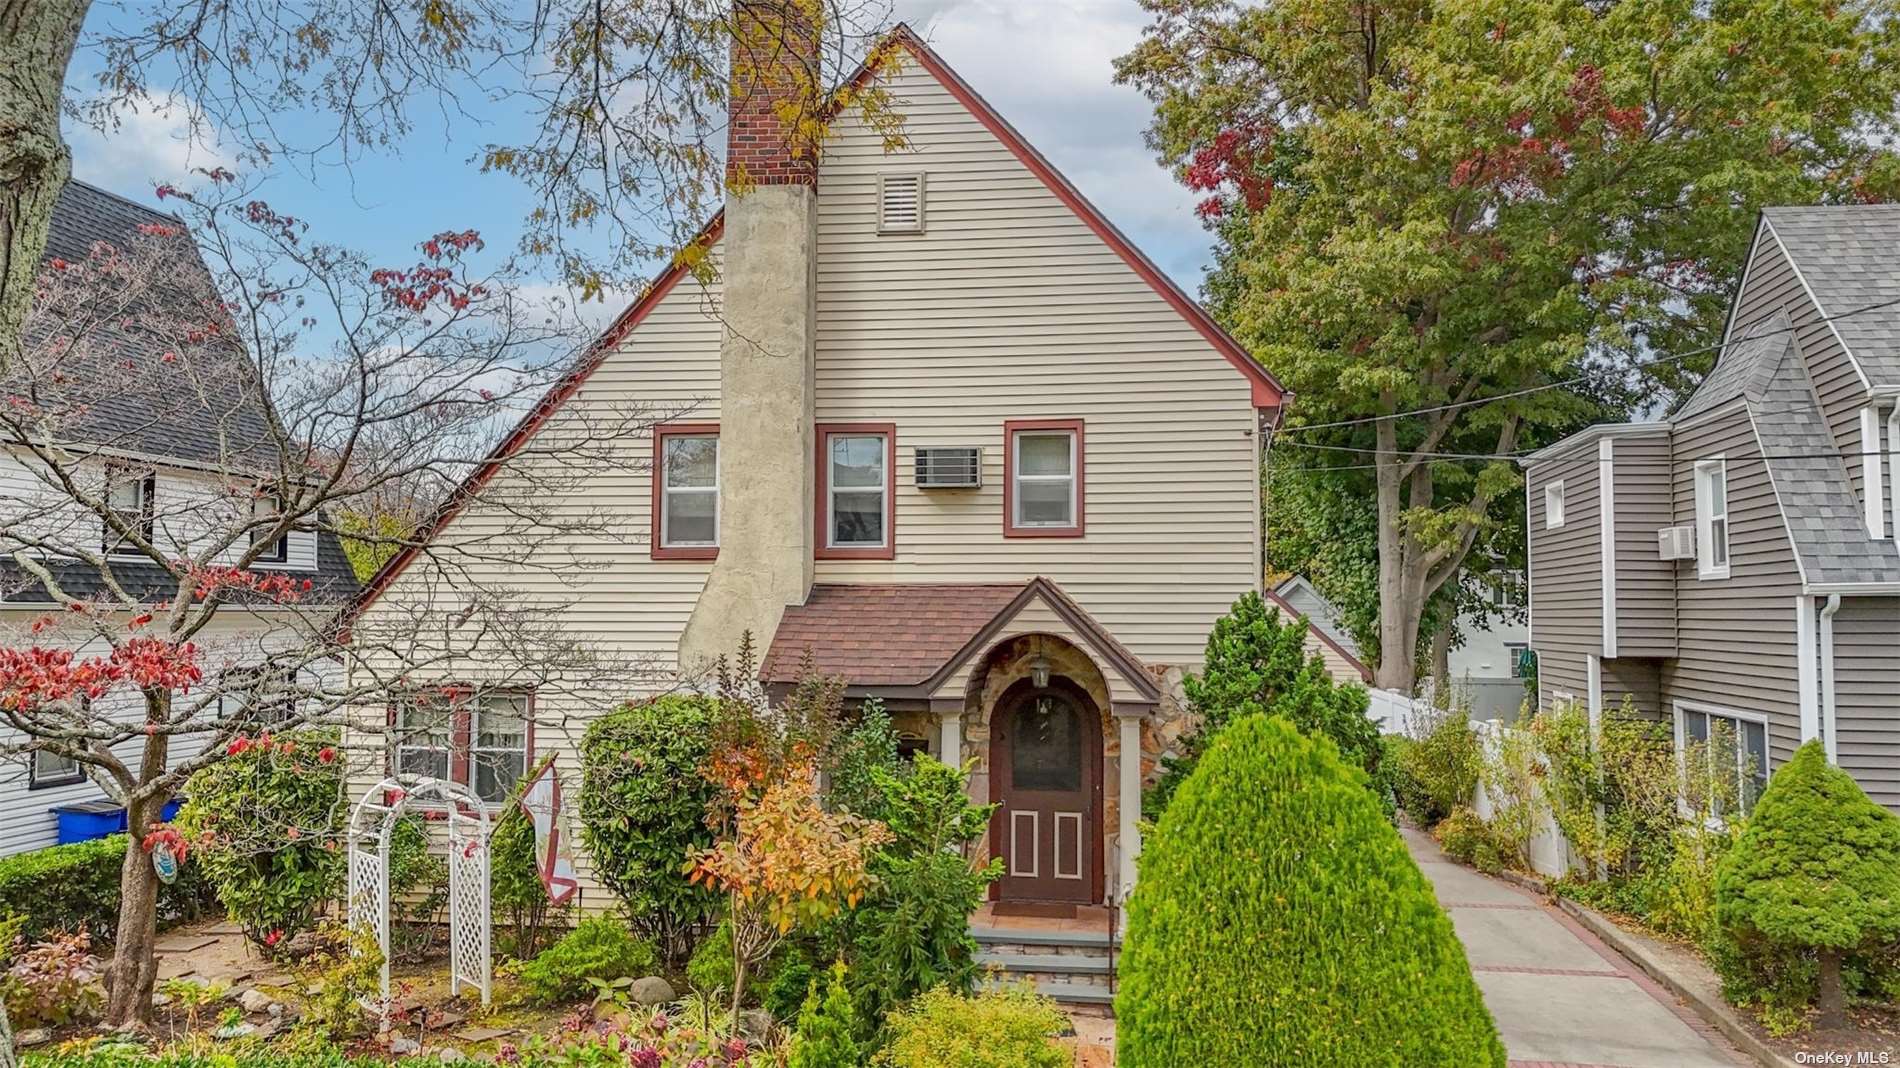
<point x="64" y="887"/>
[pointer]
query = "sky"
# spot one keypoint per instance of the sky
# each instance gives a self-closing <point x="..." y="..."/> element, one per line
<point x="1046" y="65"/>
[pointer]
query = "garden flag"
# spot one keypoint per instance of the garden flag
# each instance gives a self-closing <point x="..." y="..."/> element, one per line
<point x="542" y="802"/>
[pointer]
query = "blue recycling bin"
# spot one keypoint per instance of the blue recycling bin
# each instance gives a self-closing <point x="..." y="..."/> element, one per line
<point x="86" y="820"/>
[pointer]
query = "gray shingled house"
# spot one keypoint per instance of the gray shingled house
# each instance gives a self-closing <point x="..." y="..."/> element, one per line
<point x="1737" y="561"/>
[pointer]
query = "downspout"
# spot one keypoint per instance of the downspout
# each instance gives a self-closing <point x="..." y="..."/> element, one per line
<point x="1827" y="677"/>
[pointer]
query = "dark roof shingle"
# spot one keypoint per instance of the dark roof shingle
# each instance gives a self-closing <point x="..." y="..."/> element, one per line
<point x="889" y="635"/>
<point x="1846" y="254"/>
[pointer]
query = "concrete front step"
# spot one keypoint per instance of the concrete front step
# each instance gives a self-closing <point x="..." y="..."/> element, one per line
<point x="1064" y="993"/>
<point x="1055" y="941"/>
<point x="1037" y="962"/>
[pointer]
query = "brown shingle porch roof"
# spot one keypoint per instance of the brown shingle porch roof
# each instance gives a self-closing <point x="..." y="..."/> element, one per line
<point x="912" y="635"/>
<point x="897" y="635"/>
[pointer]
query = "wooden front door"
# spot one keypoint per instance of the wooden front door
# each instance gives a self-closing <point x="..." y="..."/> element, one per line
<point x="1046" y="770"/>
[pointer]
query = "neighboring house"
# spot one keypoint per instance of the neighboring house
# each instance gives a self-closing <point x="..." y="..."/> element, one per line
<point x="938" y="424"/>
<point x="164" y="470"/>
<point x="1487" y="667"/>
<point x="1327" y="637"/>
<point x="1485" y="670"/>
<point x="1736" y="565"/>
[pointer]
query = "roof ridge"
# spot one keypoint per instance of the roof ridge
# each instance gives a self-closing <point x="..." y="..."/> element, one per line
<point x="123" y="199"/>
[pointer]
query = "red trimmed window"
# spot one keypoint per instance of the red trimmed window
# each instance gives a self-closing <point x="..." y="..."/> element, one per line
<point x="483" y="739"/>
<point x="685" y="491"/>
<point x="1044" y="492"/>
<point x="857" y="500"/>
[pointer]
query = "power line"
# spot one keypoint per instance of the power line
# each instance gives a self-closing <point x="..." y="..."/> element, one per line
<point x="1565" y="384"/>
<point x="1625" y="462"/>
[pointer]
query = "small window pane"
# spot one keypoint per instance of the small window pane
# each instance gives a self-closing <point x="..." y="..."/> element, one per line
<point x="691" y="518"/>
<point x="52" y="768"/>
<point x="433" y="763"/>
<point x="501" y="746"/>
<point x="1718" y="542"/>
<point x="692" y="461"/>
<point x="1718" y="489"/>
<point x="1046" y="747"/>
<point x="496" y="775"/>
<point x="504" y="723"/>
<point x="857" y="518"/>
<point x="1044" y="503"/>
<point x="1695" y="726"/>
<point x="1043" y="454"/>
<point x="857" y="461"/>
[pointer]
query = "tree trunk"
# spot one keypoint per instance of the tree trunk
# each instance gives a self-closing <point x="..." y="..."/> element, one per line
<point x="36" y="46"/>
<point x="134" y="967"/>
<point x="1398" y="608"/>
<point x="1832" y="999"/>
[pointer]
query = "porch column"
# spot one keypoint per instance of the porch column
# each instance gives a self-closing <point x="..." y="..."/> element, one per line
<point x="1130" y="799"/>
<point x="950" y="744"/>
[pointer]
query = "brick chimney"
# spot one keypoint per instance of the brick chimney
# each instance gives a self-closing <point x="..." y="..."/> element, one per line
<point x="769" y="296"/>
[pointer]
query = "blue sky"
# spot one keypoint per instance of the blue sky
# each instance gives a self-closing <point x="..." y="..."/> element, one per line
<point x="1045" y="64"/>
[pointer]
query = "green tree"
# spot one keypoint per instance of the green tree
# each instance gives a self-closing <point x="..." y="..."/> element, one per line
<point x="1817" y="870"/>
<point x="827" y="1027"/>
<point x="1256" y="662"/>
<point x="1278" y="916"/>
<point x="1440" y="205"/>
<point x="643" y="809"/>
<point x="517" y="893"/>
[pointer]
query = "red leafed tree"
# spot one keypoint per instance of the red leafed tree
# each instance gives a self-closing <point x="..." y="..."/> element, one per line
<point x="201" y="409"/>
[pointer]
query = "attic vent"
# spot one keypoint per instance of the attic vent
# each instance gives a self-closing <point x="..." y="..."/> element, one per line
<point x="900" y="203"/>
<point x="955" y="467"/>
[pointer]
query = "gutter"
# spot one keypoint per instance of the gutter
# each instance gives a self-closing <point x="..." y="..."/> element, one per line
<point x="1827" y="677"/>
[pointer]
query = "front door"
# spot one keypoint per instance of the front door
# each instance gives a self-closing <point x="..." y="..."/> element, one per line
<point x="1046" y="757"/>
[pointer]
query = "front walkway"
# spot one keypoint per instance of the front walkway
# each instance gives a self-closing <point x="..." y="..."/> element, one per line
<point x="1559" y="995"/>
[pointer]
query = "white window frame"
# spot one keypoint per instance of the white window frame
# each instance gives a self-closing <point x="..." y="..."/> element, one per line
<point x="1016" y="474"/>
<point x="883" y="488"/>
<point x="1893" y="476"/>
<point x="111" y="542"/>
<point x="69" y="776"/>
<point x="1741" y="749"/>
<point x="525" y="703"/>
<point x="403" y="734"/>
<point x="1554" y="505"/>
<point x="1708" y="473"/>
<point x="667" y="491"/>
<point x="280" y="552"/>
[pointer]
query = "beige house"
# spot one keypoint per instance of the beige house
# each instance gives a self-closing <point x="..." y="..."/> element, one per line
<point x="1736" y="567"/>
<point x="937" y="423"/>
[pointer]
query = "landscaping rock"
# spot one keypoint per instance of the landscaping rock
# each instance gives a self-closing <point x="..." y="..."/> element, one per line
<point x="255" y="1001"/>
<point x="236" y="1030"/>
<point x="755" y="1025"/>
<point x="402" y="1047"/>
<point x="270" y="1027"/>
<point x="451" y="1055"/>
<point x="652" y="990"/>
<point x="33" y="1036"/>
<point x="161" y="999"/>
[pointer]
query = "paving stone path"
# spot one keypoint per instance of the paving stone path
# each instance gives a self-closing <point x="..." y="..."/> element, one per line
<point x="1561" y="998"/>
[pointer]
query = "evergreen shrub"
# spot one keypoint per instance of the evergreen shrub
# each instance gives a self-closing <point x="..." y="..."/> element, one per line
<point x="1813" y="881"/>
<point x="599" y="947"/>
<point x="1279" y="920"/>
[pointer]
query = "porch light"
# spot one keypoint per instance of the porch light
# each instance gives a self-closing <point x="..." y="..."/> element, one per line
<point x="1039" y="671"/>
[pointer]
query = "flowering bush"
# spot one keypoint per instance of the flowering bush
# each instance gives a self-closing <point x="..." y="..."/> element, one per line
<point x="52" y="982"/>
<point x="266" y="822"/>
<point x="660" y="1042"/>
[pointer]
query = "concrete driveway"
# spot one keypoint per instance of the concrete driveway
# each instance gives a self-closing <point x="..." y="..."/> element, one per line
<point x="1559" y="995"/>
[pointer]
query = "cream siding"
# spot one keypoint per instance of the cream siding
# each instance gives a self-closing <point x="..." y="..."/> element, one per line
<point x="1338" y="666"/>
<point x="1006" y="307"/>
<point x="1736" y="646"/>
<point x="1039" y="617"/>
<point x="1009" y="307"/>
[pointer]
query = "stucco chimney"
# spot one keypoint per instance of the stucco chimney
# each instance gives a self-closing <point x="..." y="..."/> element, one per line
<point x="769" y="277"/>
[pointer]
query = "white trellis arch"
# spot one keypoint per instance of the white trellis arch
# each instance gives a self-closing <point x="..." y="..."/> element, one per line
<point x="470" y="920"/>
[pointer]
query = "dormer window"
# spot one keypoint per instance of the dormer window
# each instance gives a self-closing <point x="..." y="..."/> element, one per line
<point x="130" y="497"/>
<point x="266" y="513"/>
<point x="900" y="202"/>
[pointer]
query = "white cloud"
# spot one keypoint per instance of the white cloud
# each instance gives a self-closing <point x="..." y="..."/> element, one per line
<point x="1048" y="67"/>
<point x="151" y="145"/>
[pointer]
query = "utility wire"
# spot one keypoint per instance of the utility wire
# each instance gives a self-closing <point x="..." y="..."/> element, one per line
<point x="1567" y="383"/>
<point x="1628" y="462"/>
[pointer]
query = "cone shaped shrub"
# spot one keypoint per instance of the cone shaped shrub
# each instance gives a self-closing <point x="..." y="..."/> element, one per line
<point x="1817" y="870"/>
<point x="1278" y="921"/>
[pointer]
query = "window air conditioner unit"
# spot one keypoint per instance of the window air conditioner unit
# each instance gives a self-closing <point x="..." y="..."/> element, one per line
<point x="1676" y="543"/>
<point x="950" y="467"/>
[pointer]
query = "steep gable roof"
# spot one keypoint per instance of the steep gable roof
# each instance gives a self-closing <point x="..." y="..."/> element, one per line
<point x="1845" y="255"/>
<point x="1266" y="391"/>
